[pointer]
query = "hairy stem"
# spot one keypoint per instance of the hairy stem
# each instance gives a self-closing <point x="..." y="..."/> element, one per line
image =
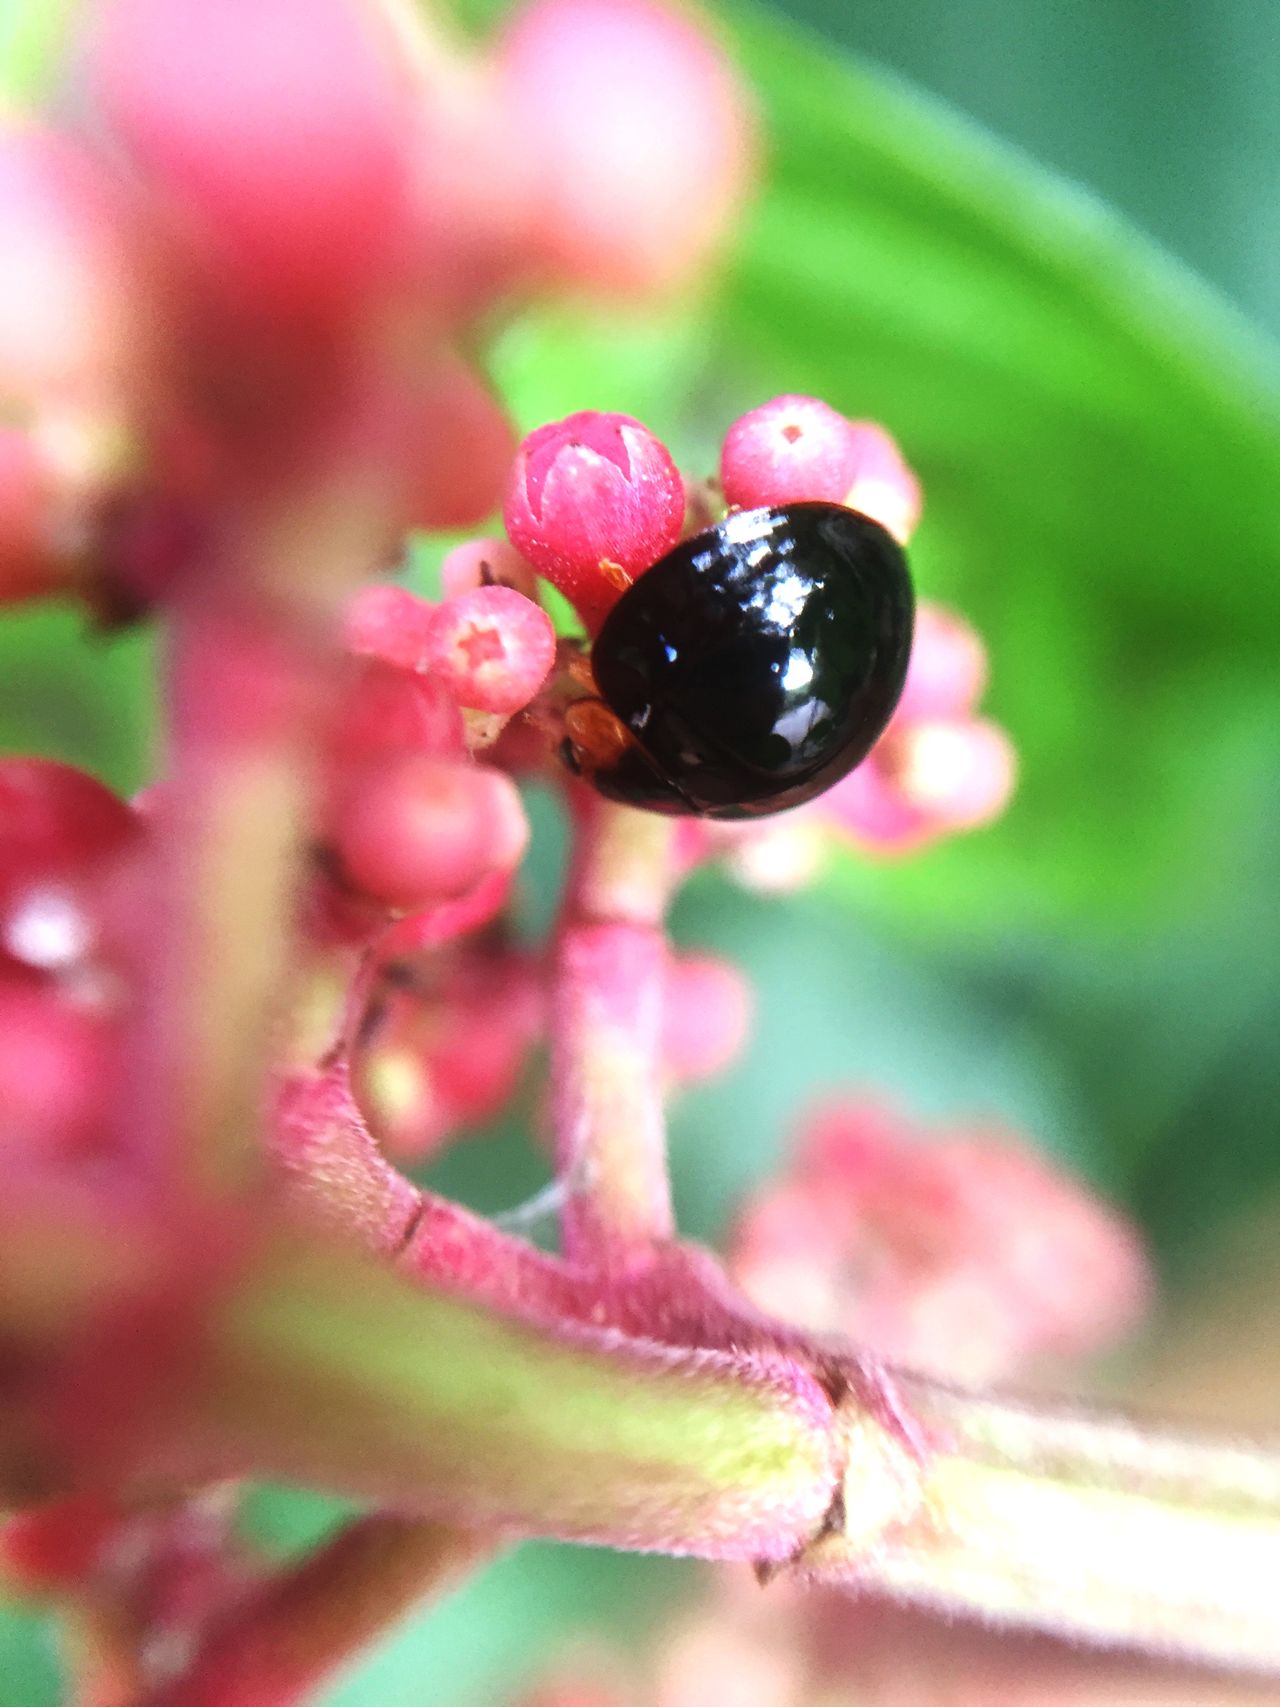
<point x="1087" y="1526"/>
<point x="606" y="1039"/>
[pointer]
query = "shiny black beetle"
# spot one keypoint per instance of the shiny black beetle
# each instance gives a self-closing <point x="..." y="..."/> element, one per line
<point x="751" y="667"/>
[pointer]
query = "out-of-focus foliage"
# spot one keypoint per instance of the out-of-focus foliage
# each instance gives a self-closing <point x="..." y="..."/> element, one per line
<point x="1100" y="445"/>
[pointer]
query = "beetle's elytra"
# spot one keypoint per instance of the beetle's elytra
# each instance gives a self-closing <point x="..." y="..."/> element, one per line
<point x="751" y="667"/>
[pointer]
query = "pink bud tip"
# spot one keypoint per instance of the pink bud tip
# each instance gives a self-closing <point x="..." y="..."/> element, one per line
<point x="788" y="449"/>
<point x="410" y="829"/>
<point x="594" y="501"/>
<point x="492" y="648"/>
<point x="639" y="136"/>
<point x="486" y="563"/>
<point x="706" y="1016"/>
<point x="390" y="623"/>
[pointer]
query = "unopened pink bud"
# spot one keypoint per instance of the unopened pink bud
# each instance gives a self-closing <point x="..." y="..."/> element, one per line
<point x="789" y="449"/>
<point x="883" y="486"/>
<point x="492" y="648"/>
<point x="386" y="709"/>
<point x="390" y="623"/>
<point x="486" y="563"/>
<point x="956" y="774"/>
<point x="56" y="1073"/>
<point x="594" y="501"/>
<point x="639" y="135"/>
<point x="948" y="668"/>
<point x="411" y="829"/>
<point x="706" y="1015"/>
<point x="59" y="828"/>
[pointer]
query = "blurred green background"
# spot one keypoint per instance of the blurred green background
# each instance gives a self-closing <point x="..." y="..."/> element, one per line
<point x="1099" y="437"/>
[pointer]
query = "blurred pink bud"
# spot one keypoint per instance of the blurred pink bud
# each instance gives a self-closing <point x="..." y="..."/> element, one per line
<point x="492" y="648"/>
<point x="948" y="668"/>
<point x="385" y="709"/>
<point x="460" y="455"/>
<point x="594" y="500"/>
<point x="446" y="1053"/>
<point x="923" y="781"/>
<point x="389" y="623"/>
<point x="56" y="1545"/>
<point x="61" y="831"/>
<point x="788" y="449"/>
<point x="639" y="136"/>
<point x="883" y="486"/>
<point x="706" y="1016"/>
<point x="410" y="829"/>
<point x="966" y="1254"/>
<point x="278" y="133"/>
<point x="486" y="563"/>
<point x="56" y="1074"/>
<point x="71" y="323"/>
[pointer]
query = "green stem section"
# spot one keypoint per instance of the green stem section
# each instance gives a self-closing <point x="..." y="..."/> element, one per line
<point x="321" y="1367"/>
<point x="1083" y="1525"/>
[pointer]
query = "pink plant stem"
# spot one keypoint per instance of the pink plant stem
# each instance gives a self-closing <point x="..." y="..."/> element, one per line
<point x="606" y="1016"/>
<point x="282" y="1643"/>
<point x="246" y="694"/>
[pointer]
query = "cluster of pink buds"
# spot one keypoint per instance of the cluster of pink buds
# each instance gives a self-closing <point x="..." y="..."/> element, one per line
<point x="245" y="279"/>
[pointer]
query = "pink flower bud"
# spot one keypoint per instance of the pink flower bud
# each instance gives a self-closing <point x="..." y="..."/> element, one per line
<point x="385" y="709"/>
<point x="948" y="668"/>
<point x="486" y="563"/>
<point x="639" y="137"/>
<point x="796" y="448"/>
<point x="706" y="1015"/>
<point x="448" y="1055"/>
<point x="389" y="623"/>
<point x="275" y="132"/>
<point x="788" y="449"/>
<point x="491" y="648"/>
<point x="955" y="774"/>
<point x="967" y="1254"/>
<point x="409" y="829"/>
<point x="56" y="1074"/>
<point x="60" y="833"/>
<point x="883" y="486"/>
<point x="460" y="453"/>
<point x="594" y="501"/>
